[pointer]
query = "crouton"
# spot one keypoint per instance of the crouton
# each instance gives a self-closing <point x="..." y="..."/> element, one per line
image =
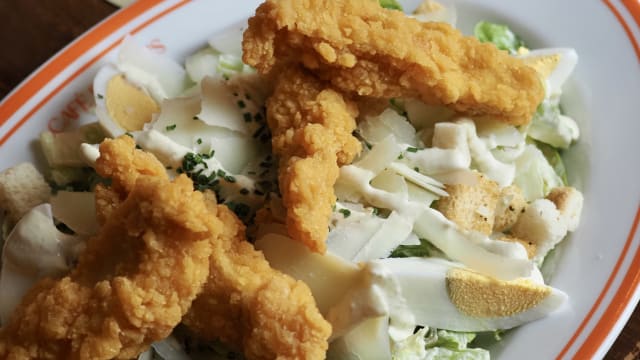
<point x="21" y="188"/>
<point x="542" y="225"/>
<point x="472" y="207"/>
<point x="569" y="202"/>
<point x="510" y="205"/>
<point x="528" y="245"/>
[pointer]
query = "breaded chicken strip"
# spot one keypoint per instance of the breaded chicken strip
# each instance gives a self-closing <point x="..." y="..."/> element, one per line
<point x="254" y="308"/>
<point x="312" y="129"/>
<point x="364" y="49"/>
<point x="136" y="278"/>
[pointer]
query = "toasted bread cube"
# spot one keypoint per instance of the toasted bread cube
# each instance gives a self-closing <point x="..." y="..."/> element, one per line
<point x="21" y="188"/>
<point x="528" y="245"/>
<point x="510" y="204"/>
<point x="568" y="201"/>
<point x="472" y="207"/>
<point x="541" y="224"/>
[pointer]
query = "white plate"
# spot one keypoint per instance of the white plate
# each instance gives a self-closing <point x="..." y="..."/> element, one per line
<point x="600" y="264"/>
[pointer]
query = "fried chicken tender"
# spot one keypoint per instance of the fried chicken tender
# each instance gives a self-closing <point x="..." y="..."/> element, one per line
<point x="136" y="278"/>
<point x="254" y="308"/>
<point x="312" y="127"/>
<point x="364" y="49"/>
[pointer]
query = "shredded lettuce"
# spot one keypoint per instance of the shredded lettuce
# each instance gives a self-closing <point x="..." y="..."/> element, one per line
<point x="390" y="4"/>
<point x="499" y="35"/>
<point x="555" y="160"/>
<point x="438" y="344"/>
<point x="550" y="126"/>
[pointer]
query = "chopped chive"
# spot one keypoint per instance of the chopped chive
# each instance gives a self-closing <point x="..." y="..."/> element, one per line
<point x="199" y="141"/>
<point x="170" y="127"/>
<point x="345" y="212"/>
<point x="230" y="179"/>
<point x="100" y="96"/>
<point x="401" y="156"/>
<point x="412" y="149"/>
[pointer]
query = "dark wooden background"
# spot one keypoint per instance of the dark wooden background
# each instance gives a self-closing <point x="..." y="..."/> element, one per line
<point x="31" y="31"/>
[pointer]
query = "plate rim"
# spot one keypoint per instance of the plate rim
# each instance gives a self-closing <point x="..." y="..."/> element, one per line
<point x="607" y="326"/>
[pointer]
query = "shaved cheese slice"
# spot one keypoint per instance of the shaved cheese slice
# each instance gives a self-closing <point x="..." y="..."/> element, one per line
<point x="77" y="210"/>
<point x="328" y="276"/>
<point x="219" y="106"/>
<point x="368" y="340"/>
<point x="33" y="250"/>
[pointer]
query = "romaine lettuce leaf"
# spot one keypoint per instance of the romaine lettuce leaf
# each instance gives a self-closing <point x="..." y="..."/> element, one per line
<point x="550" y="126"/>
<point x="500" y="35"/>
<point x="437" y="344"/>
<point x="440" y="353"/>
<point x="390" y="4"/>
<point x="555" y="160"/>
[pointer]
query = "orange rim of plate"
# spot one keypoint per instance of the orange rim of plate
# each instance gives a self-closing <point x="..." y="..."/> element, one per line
<point x="62" y="60"/>
<point x="594" y="340"/>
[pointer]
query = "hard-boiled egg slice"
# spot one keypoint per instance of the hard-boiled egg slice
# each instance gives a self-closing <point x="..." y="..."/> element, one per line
<point x="121" y="106"/>
<point x="554" y="65"/>
<point x="160" y="75"/>
<point x="446" y="295"/>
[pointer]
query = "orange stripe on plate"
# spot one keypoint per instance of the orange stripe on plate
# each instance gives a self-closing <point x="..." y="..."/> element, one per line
<point x="604" y="291"/>
<point x="66" y="57"/>
<point x="605" y="324"/>
<point x="76" y="49"/>
<point x="617" y="305"/>
<point x="633" y="6"/>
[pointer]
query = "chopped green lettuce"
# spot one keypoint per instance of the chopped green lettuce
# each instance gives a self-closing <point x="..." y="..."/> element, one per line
<point x="555" y="160"/>
<point x="390" y="4"/>
<point x="425" y="249"/>
<point x="535" y="176"/>
<point x="449" y="339"/>
<point x="438" y="344"/>
<point x="550" y="126"/>
<point x="440" y="353"/>
<point x="499" y="35"/>
<point x="63" y="149"/>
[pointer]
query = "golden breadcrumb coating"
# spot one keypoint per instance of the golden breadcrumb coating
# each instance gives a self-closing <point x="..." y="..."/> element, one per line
<point x="254" y="308"/>
<point x="312" y="129"/>
<point x="364" y="49"/>
<point x="136" y="278"/>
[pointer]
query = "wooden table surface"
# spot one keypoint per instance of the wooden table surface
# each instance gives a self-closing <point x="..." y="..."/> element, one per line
<point x="31" y="31"/>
